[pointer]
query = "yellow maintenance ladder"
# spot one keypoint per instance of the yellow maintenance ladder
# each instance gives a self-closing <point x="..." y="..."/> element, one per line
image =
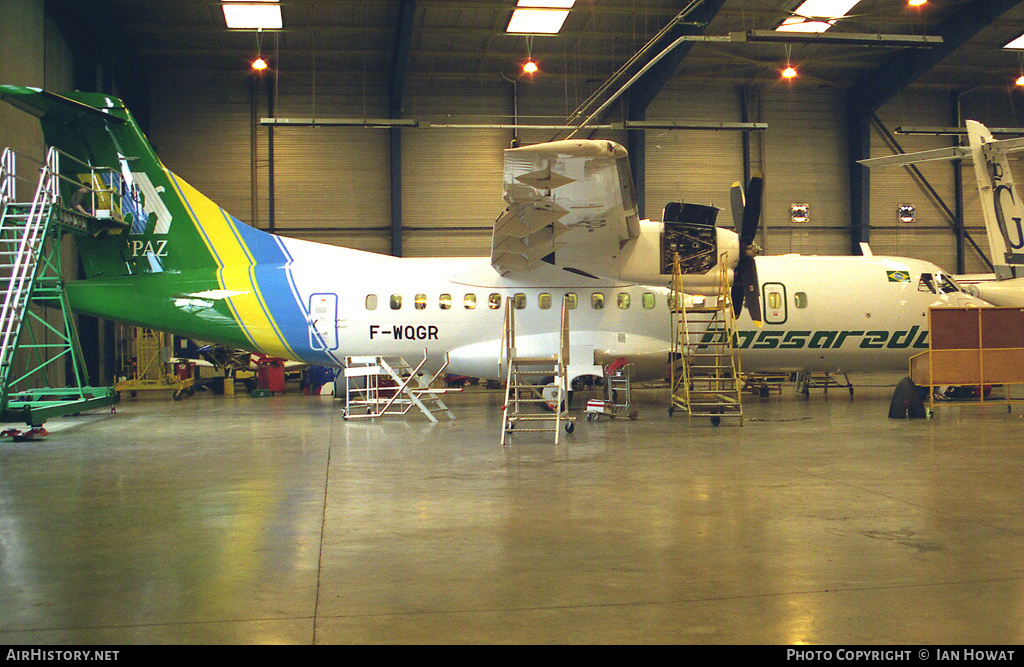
<point x="705" y="375"/>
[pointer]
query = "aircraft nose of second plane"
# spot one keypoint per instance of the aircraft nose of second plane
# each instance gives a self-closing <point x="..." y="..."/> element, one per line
<point x="966" y="300"/>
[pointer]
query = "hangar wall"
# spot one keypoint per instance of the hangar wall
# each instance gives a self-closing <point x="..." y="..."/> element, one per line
<point x="451" y="178"/>
<point x="32" y="53"/>
<point x="930" y="235"/>
<point x="333" y="184"/>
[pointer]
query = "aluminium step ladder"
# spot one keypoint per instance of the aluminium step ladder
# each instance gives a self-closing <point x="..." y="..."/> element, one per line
<point x="705" y="369"/>
<point x="42" y="368"/>
<point x="523" y="393"/>
<point x="376" y="386"/>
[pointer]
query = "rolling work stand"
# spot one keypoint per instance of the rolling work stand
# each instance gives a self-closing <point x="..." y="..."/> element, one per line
<point x="523" y="394"/>
<point x="380" y="386"/>
<point x="42" y="369"/>
<point x="808" y="380"/>
<point x="149" y="366"/>
<point x="706" y="365"/>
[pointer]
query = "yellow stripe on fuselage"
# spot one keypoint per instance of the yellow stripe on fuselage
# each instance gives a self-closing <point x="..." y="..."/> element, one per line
<point x="235" y="270"/>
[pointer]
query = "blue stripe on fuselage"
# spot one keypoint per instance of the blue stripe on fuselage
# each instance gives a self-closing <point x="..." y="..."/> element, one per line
<point x="272" y="271"/>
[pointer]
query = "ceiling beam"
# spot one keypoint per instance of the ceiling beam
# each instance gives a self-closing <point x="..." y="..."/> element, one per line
<point x="650" y="83"/>
<point x="653" y="80"/>
<point x="879" y="86"/>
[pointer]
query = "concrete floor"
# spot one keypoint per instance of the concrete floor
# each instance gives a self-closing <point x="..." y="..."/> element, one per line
<point x="272" y="520"/>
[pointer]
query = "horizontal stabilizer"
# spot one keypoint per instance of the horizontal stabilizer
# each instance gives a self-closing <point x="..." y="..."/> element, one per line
<point x="903" y="159"/>
<point x="42" y="103"/>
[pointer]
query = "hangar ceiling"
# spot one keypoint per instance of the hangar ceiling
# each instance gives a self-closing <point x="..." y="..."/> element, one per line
<point x="449" y="41"/>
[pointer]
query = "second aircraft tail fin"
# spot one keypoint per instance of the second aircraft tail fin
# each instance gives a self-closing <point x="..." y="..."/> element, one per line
<point x="1000" y="199"/>
<point x="1001" y="202"/>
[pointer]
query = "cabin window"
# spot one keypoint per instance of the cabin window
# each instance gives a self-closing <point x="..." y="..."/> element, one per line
<point x="572" y="300"/>
<point x="469" y="301"/>
<point x="597" y="300"/>
<point x="494" y="301"/>
<point x="396" y="301"/>
<point x="371" y="302"/>
<point x="623" y="300"/>
<point x="774" y="300"/>
<point x="648" y="300"/>
<point x="800" y="299"/>
<point x="519" y="301"/>
<point x="544" y="300"/>
<point x="670" y="299"/>
<point x="420" y="302"/>
<point x="445" y="301"/>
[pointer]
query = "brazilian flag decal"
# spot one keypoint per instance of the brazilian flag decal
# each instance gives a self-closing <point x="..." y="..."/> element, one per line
<point x="898" y="276"/>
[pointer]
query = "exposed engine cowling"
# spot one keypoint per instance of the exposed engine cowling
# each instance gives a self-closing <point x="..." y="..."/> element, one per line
<point x="690" y="231"/>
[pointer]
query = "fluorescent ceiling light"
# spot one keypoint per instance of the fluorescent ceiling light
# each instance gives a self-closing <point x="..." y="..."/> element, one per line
<point x="537" y="21"/>
<point x="1016" y="44"/>
<point x="816" y="9"/>
<point x="253" y="15"/>
<point x="800" y="25"/>
<point x="548" y="4"/>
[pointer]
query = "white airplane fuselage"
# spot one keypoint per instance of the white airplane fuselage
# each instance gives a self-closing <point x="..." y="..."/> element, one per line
<point x="820" y="313"/>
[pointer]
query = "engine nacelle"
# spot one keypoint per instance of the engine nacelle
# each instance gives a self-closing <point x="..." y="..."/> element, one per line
<point x="689" y="231"/>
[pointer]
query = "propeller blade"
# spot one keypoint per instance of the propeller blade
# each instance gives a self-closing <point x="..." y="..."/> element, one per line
<point x="737" y="292"/>
<point x="746" y="215"/>
<point x="752" y="287"/>
<point x="736" y="201"/>
<point x="746" y="288"/>
<point x="751" y="211"/>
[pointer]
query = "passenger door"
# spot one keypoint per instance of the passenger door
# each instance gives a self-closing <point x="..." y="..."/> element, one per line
<point x="774" y="303"/>
<point x="323" y="321"/>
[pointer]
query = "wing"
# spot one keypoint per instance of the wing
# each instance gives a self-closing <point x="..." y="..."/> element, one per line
<point x="570" y="203"/>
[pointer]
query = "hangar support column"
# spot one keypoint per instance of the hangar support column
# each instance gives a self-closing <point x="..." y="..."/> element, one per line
<point x="859" y="139"/>
<point x="396" y="90"/>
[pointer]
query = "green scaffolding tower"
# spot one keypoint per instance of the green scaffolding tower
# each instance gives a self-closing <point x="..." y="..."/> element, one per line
<point x="42" y="368"/>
